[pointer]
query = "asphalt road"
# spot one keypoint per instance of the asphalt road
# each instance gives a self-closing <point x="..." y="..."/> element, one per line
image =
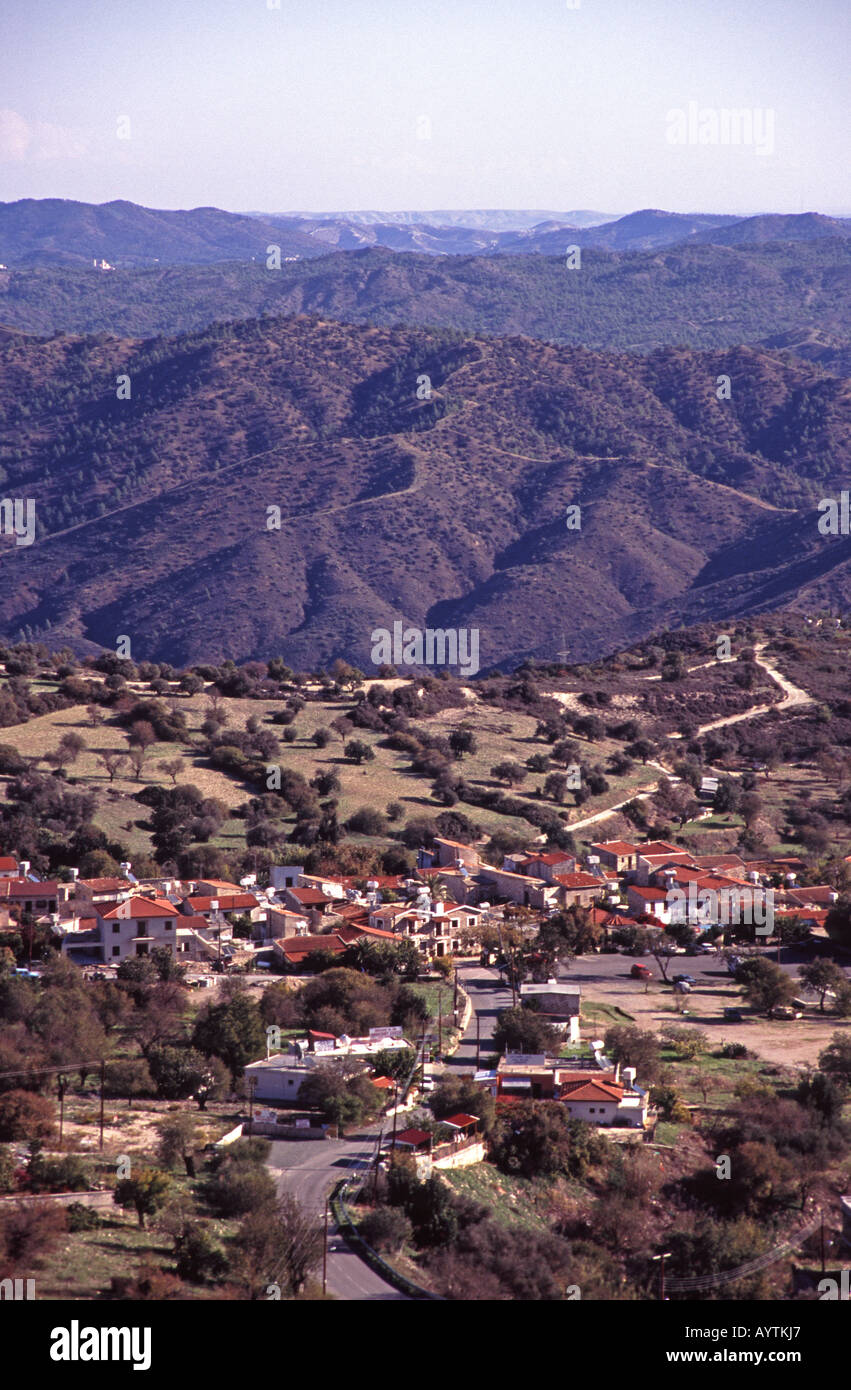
<point x="489" y="994"/>
<point x="309" y="1169"/>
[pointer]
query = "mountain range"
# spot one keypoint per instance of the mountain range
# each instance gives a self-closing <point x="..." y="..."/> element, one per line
<point x="55" y="231"/>
<point x="794" y="295"/>
<point x="156" y="514"/>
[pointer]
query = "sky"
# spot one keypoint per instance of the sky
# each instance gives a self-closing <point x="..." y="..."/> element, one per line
<point x="326" y="105"/>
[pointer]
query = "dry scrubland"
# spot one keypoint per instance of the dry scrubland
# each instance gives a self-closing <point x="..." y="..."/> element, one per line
<point x="500" y="735"/>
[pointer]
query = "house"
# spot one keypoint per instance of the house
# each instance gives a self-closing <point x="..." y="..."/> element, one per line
<point x="605" y="1100"/>
<point x="30" y="895"/>
<point x="101" y="890"/>
<point x="326" y="887"/>
<point x="578" y="888"/>
<point x="228" y="905"/>
<point x="414" y="1140"/>
<point x="281" y="922"/>
<point x="293" y="950"/>
<point x="648" y="901"/>
<point x="548" y="866"/>
<point x="557" y="1003"/>
<point x="620" y="855"/>
<point x="280" y="1077"/>
<point x="285" y="875"/>
<point x="448" y="854"/>
<point x="309" y="901"/>
<point x="657" y="855"/>
<point x="9" y="866"/>
<point x="591" y="1088"/>
<point x="522" y="889"/>
<point x="133" y="927"/>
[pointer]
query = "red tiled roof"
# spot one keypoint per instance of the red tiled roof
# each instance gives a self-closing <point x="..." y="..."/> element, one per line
<point x="383" y="1083"/>
<point x="353" y="930"/>
<point x="7" y="861"/>
<point x="297" y="946"/>
<point x="106" y="885"/>
<point x="461" y="1121"/>
<point x="308" y="895"/>
<point x="413" y="1136"/>
<point x="616" y="846"/>
<point x="591" y="1090"/>
<point x="228" y="902"/>
<point x="579" y="880"/>
<point x="26" y="888"/>
<point x="141" y="907"/>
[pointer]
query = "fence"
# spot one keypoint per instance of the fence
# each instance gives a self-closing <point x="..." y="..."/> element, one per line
<point x="343" y="1217"/>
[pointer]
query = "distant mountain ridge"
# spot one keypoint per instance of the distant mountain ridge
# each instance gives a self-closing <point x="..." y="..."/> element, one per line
<point x="492" y="219"/>
<point x="56" y="231"/>
<point x="699" y="295"/>
<point x="153" y="513"/>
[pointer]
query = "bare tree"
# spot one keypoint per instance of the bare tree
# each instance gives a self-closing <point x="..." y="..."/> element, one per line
<point x="172" y="766"/>
<point x="137" y="757"/>
<point x="112" y="763"/>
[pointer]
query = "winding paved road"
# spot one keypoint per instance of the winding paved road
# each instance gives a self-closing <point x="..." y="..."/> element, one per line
<point x="309" y="1169"/>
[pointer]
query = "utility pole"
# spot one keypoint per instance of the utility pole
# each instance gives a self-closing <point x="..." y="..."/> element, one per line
<point x="478" y="1021"/>
<point x="395" y="1106"/>
<point x="61" y="1086"/>
<point x="102" y="1086"/>
<point x="439" y="1021"/>
<point x="662" y="1258"/>
<point x="252" y="1085"/>
<point x="375" y="1175"/>
<point x="325" y="1252"/>
<point x="822" y="1241"/>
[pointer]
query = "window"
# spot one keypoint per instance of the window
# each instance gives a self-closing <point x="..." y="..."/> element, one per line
<point x="168" y="926"/>
<point x="116" y="950"/>
<point x="115" y="928"/>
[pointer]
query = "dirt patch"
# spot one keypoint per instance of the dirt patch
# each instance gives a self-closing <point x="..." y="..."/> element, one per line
<point x="796" y="1043"/>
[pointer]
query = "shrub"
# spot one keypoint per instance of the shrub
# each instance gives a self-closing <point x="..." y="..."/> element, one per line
<point x="386" y="1228"/>
<point x="240" y="1188"/>
<point x="81" y="1218"/>
<point x="198" y="1258"/>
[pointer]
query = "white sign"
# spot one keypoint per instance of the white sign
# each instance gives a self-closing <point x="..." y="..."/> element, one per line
<point x="379" y="1034"/>
<point x="324" y="1045"/>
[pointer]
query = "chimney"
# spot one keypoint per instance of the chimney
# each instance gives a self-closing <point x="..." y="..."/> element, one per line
<point x="24" y="868"/>
<point x="75" y="873"/>
<point x="629" y="1077"/>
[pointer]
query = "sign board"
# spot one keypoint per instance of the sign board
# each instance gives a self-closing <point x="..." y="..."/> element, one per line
<point x="525" y="1059"/>
<point x="267" y="1116"/>
<point x="324" y="1045"/>
<point x="378" y="1034"/>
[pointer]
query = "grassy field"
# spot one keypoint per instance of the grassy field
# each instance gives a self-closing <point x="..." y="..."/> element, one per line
<point x="512" y="1201"/>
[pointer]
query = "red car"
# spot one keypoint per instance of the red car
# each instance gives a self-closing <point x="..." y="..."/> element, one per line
<point x="641" y="972"/>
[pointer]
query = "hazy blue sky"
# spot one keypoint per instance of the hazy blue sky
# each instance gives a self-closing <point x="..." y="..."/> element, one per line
<point x="323" y="104"/>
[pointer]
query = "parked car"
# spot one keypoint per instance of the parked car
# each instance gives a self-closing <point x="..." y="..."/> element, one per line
<point x="733" y="963"/>
<point x="704" y="948"/>
<point x="641" y="972"/>
<point x="786" y="1011"/>
<point x="684" y="980"/>
<point x="734" y="1015"/>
